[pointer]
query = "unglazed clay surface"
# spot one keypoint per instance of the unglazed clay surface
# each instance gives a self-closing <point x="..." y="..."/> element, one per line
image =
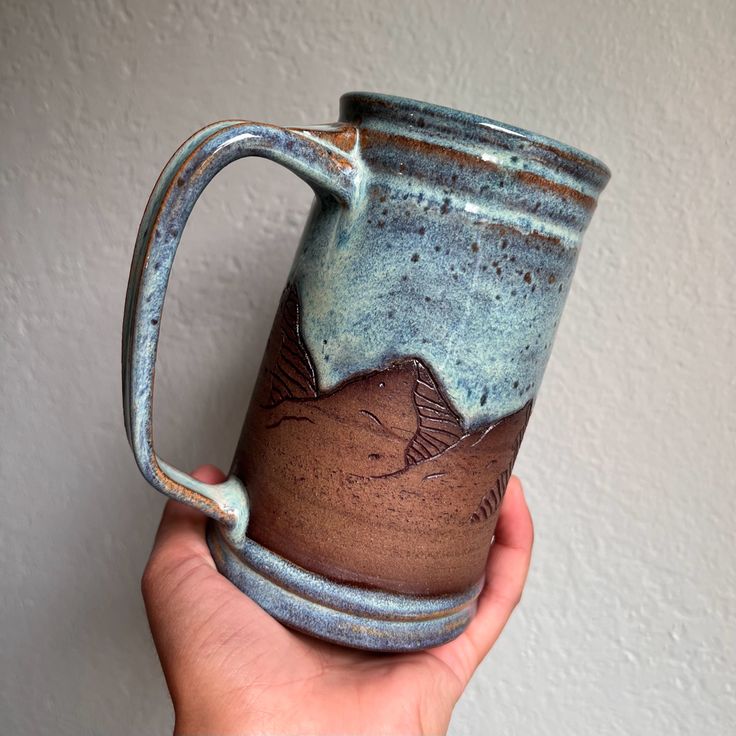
<point x="375" y="482"/>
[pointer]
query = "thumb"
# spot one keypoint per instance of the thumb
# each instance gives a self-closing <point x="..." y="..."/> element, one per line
<point x="179" y="548"/>
<point x="182" y="528"/>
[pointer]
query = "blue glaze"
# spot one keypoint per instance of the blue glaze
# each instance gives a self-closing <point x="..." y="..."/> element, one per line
<point x="343" y="614"/>
<point x="436" y="234"/>
<point x="182" y="181"/>
<point x="413" y="274"/>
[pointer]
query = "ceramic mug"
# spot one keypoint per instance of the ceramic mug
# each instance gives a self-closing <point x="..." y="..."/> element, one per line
<point x="401" y="369"/>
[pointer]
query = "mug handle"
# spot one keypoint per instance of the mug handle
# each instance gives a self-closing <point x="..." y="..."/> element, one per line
<point x="325" y="158"/>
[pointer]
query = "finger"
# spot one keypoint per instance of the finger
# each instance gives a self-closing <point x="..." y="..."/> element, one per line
<point x="180" y="545"/>
<point x="181" y="586"/>
<point x="180" y="560"/>
<point x="506" y="572"/>
<point x="182" y="528"/>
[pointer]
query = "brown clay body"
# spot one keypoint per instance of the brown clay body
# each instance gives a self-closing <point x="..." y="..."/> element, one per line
<point x="374" y="483"/>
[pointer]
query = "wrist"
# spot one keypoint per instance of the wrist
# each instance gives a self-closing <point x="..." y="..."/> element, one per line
<point x="224" y="720"/>
<point x="197" y="726"/>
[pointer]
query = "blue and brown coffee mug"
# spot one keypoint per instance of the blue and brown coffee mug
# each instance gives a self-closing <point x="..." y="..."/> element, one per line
<point x="401" y="368"/>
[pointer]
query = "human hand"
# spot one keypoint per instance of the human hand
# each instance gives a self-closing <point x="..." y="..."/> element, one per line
<point x="232" y="669"/>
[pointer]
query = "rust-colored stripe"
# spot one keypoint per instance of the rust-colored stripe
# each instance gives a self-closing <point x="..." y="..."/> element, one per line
<point x="535" y="180"/>
<point x="378" y="139"/>
<point x="371" y="138"/>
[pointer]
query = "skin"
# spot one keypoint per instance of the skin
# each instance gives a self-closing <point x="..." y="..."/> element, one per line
<point x="232" y="669"/>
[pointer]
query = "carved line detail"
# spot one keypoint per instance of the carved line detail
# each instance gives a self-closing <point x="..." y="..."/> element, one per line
<point x="492" y="499"/>
<point x="293" y="374"/>
<point x="438" y="427"/>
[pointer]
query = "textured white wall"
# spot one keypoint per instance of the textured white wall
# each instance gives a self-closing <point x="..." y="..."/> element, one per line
<point x="627" y="625"/>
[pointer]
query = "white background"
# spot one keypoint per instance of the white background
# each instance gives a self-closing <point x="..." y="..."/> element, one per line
<point x="627" y="625"/>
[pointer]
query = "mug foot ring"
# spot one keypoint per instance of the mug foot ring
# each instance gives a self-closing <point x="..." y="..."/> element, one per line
<point x="344" y="614"/>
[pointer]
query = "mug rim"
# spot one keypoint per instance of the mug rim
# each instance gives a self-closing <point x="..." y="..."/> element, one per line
<point x="351" y="102"/>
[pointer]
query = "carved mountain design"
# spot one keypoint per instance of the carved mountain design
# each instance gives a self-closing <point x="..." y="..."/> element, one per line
<point x="513" y="427"/>
<point x="375" y="482"/>
<point x="439" y="426"/>
<point x="292" y="374"/>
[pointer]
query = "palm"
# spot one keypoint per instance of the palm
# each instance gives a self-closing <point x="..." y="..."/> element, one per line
<point x="231" y="668"/>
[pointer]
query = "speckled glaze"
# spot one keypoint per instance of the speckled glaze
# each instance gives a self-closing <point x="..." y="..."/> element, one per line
<point x="402" y="365"/>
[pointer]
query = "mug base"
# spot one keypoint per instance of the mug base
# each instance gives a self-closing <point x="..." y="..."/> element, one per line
<point x="349" y="615"/>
